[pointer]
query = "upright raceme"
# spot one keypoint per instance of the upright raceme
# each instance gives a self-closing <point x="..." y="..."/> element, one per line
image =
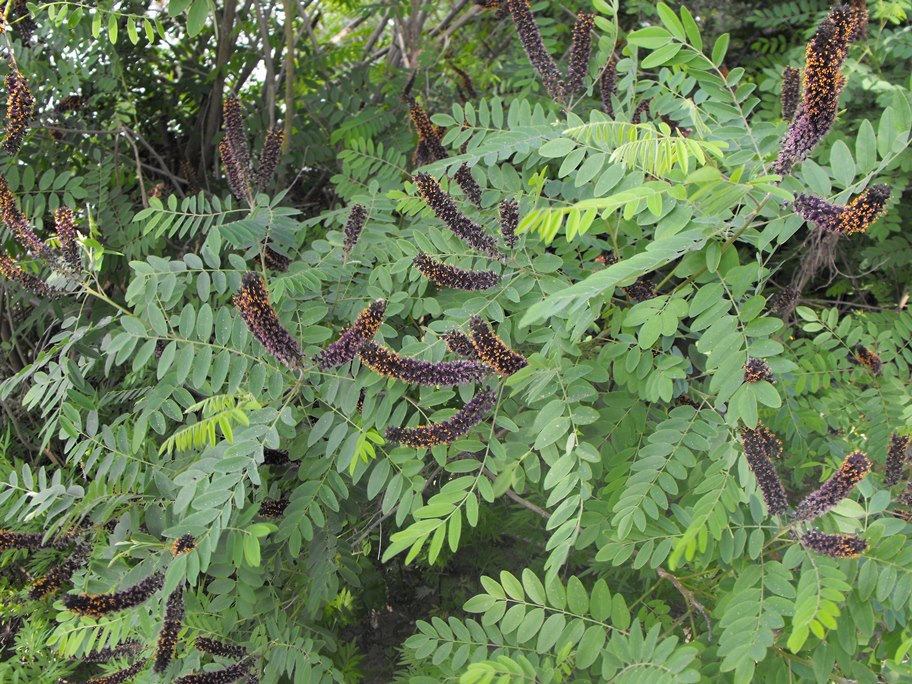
<point x="351" y="340"/>
<point x="492" y="350"/>
<point x="855" y="217"/>
<point x="757" y="370"/>
<point x="791" y="92"/>
<point x="869" y="359"/>
<point x="167" y="639"/>
<point x="468" y="184"/>
<point x="642" y="109"/>
<point x="896" y="458"/>
<point x="834" y="545"/>
<point x="183" y="544"/>
<point x="580" y="50"/>
<point x="237" y="180"/>
<point x="445" y="209"/>
<point x="269" y="156"/>
<point x="427" y="132"/>
<point x="823" y="82"/>
<point x="252" y="301"/>
<point x="532" y="43"/>
<point x="509" y="221"/>
<point x="275" y="261"/>
<point x="10" y="270"/>
<point x="273" y="508"/>
<point x="852" y="471"/>
<point x="66" y="233"/>
<point x="608" y="85"/>
<point x="120" y="676"/>
<point x="760" y="447"/>
<point x="447" y="431"/>
<point x="20" y="108"/>
<point x="97" y="605"/>
<point x="235" y="134"/>
<point x="18" y="225"/>
<point x="456" y="278"/>
<point x="353" y="227"/>
<point x="459" y="343"/>
<point x="224" y="676"/>
<point x="389" y="364"/>
<point x="57" y="576"/>
<point x="103" y="655"/>
<point x="219" y="648"/>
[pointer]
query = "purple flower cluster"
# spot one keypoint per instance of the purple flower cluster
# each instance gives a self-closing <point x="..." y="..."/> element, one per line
<point x="853" y="470"/>
<point x="532" y="43"/>
<point x="219" y="648"/>
<point x="66" y="233"/>
<point x="446" y="210"/>
<point x="352" y="339"/>
<point x="12" y="271"/>
<point x="183" y="544"/>
<point x="834" y="545"/>
<point x="855" y="217"/>
<point x="224" y="676"/>
<point x="791" y="92"/>
<point x="97" y="605"/>
<point x="273" y="508"/>
<point x="823" y="83"/>
<point x="492" y="350"/>
<point x="456" y="278"/>
<point x="757" y="370"/>
<point x="580" y="51"/>
<point x="275" y="457"/>
<point x="896" y="458"/>
<point x="252" y="301"/>
<point x="468" y="184"/>
<point x="428" y="134"/>
<point x="760" y="447"/>
<point x="389" y="364"/>
<point x="103" y="655"/>
<point x="460" y="344"/>
<point x="167" y="639"/>
<point x="20" y="108"/>
<point x="509" y="221"/>
<point x="60" y="574"/>
<point x="269" y="156"/>
<point x="447" y="431"/>
<point x="18" y="225"/>
<point x="608" y="85"/>
<point x="353" y="227"/>
<point x="120" y="676"/>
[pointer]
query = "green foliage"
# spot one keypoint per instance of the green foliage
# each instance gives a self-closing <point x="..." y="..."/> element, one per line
<point x="602" y="522"/>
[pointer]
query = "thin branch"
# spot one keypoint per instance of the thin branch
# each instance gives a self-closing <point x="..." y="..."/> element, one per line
<point x="270" y="83"/>
<point x="689" y="597"/>
<point x="518" y="499"/>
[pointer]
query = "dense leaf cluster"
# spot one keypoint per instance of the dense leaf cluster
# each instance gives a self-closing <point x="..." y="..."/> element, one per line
<point x="466" y="342"/>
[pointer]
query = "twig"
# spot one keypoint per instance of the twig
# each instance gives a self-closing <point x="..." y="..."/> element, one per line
<point x="288" y="72"/>
<point x="139" y="176"/>
<point x="518" y="499"/>
<point x="370" y="528"/>
<point x="270" y="84"/>
<point x="689" y="597"/>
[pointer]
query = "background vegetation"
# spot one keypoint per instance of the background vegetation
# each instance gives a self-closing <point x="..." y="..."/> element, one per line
<point x="602" y="522"/>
